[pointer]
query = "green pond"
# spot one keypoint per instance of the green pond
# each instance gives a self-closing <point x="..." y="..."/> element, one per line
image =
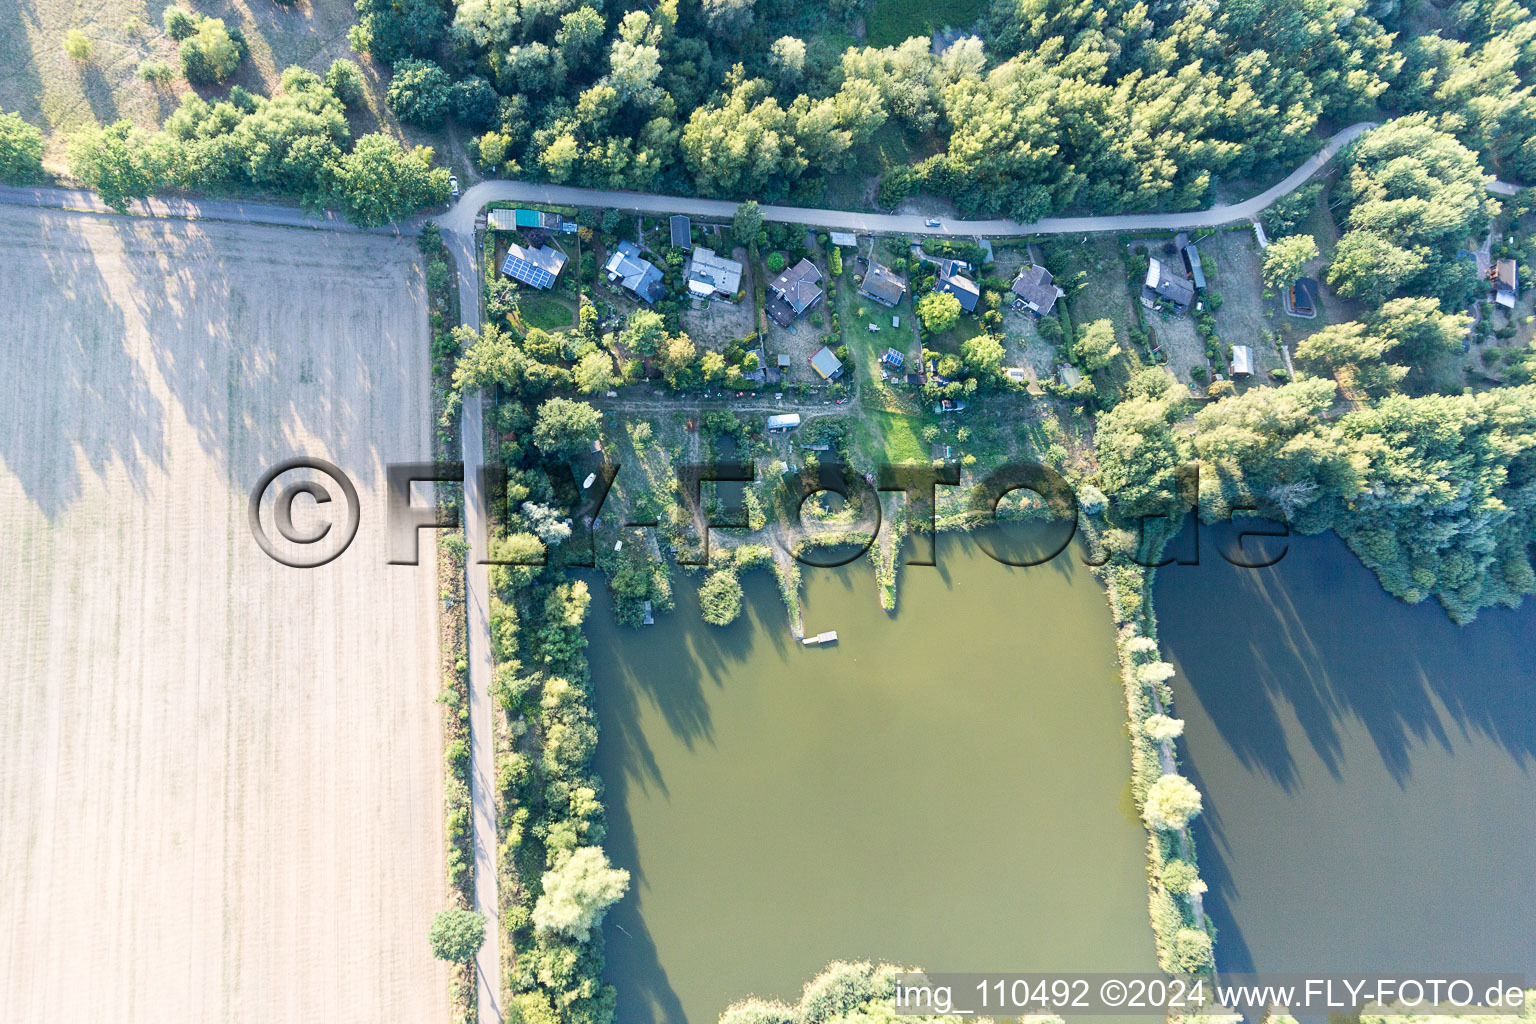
<point x="1369" y="768"/>
<point x="945" y="787"/>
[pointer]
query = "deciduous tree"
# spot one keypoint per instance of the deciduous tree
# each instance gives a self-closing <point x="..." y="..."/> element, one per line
<point x="577" y="892"/>
<point x="1171" y="802"/>
<point x="21" y="151"/>
<point x="1286" y="258"/>
<point x="939" y="311"/>
<point x="564" y="427"/>
<point x="379" y="181"/>
<point x="720" y="598"/>
<point x="457" y="935"/>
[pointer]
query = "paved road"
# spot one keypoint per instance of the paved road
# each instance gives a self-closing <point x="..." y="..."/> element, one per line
<point x="461" y="217"/>
<point x="482" y="718"/>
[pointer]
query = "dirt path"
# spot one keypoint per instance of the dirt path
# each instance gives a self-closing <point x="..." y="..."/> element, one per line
<point x="482" y="710"/>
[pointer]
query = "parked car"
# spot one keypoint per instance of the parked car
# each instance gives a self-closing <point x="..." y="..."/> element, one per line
<point x="453" y="185"/>
<point x="933" y="222"/>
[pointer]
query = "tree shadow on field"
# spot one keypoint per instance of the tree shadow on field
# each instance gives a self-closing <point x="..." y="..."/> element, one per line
<point x="78" y="399"/>
<point x="21" y="88"/>
<point x="279" y="342"/>
<point x="98" y="93"/>
<point x="266" y="343"/>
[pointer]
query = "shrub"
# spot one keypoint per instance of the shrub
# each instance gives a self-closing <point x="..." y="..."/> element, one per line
<point x="720" y="598"/>
<point x="156" y="71"/>
<point x="456" y="935"/>
<point x="77" y="46"/>
<point x="179" y="23"/>
<point x="345" y="79"/>
<point x="775" y="263"/>
<point x="212" y="53"/>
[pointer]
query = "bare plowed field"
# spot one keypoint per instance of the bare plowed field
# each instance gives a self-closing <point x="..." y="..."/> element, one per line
<point x="220" y="777"/>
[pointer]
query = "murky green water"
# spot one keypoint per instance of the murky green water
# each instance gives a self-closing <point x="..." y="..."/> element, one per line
<point x="1369" y="768"/>
<point x="946" y="787"/>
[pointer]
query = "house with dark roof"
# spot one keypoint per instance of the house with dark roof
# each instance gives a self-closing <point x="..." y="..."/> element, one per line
<point x="1303" y="298"/>
<point x="626" y="267"/>
<point x="1035" y="291"/>
<point x="1191" y="257"/>
<point x="535" y="267"/>
<point x="793" y="292"/>
<point x="826" y="364"/>
<point x="1162" y="285"/>
<point x="1506" y="284"/>
<point x="882" y="285"/>
<point x="681" y="230"/>
<point x="962" y="288"/>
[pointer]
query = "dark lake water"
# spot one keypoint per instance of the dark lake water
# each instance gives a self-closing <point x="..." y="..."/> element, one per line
<point x="946" y="787"/>
<point x="1369" y="768"/>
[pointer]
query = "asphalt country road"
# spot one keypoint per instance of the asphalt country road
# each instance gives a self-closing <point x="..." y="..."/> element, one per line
<point x="460" y="217"/>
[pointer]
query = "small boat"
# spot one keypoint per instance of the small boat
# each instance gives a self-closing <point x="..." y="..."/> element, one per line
<point x="829" y="637"/>
<point x="588" y="481"/>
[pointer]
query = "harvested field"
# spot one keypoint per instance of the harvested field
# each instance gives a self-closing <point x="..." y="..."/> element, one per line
<point x="221" y="777"/>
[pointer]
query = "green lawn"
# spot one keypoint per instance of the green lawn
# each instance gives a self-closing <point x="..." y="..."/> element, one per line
<point x="964" y="330"/>
<point x="902" y="441"/>
<point x="891" y="22"/>
<point x="544" y="311"/>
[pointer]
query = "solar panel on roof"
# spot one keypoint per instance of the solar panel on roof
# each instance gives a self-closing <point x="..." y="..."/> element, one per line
<point x="521" y="270"/>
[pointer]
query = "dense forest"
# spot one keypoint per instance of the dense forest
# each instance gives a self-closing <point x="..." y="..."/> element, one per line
<point x="1054" y="105"/>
